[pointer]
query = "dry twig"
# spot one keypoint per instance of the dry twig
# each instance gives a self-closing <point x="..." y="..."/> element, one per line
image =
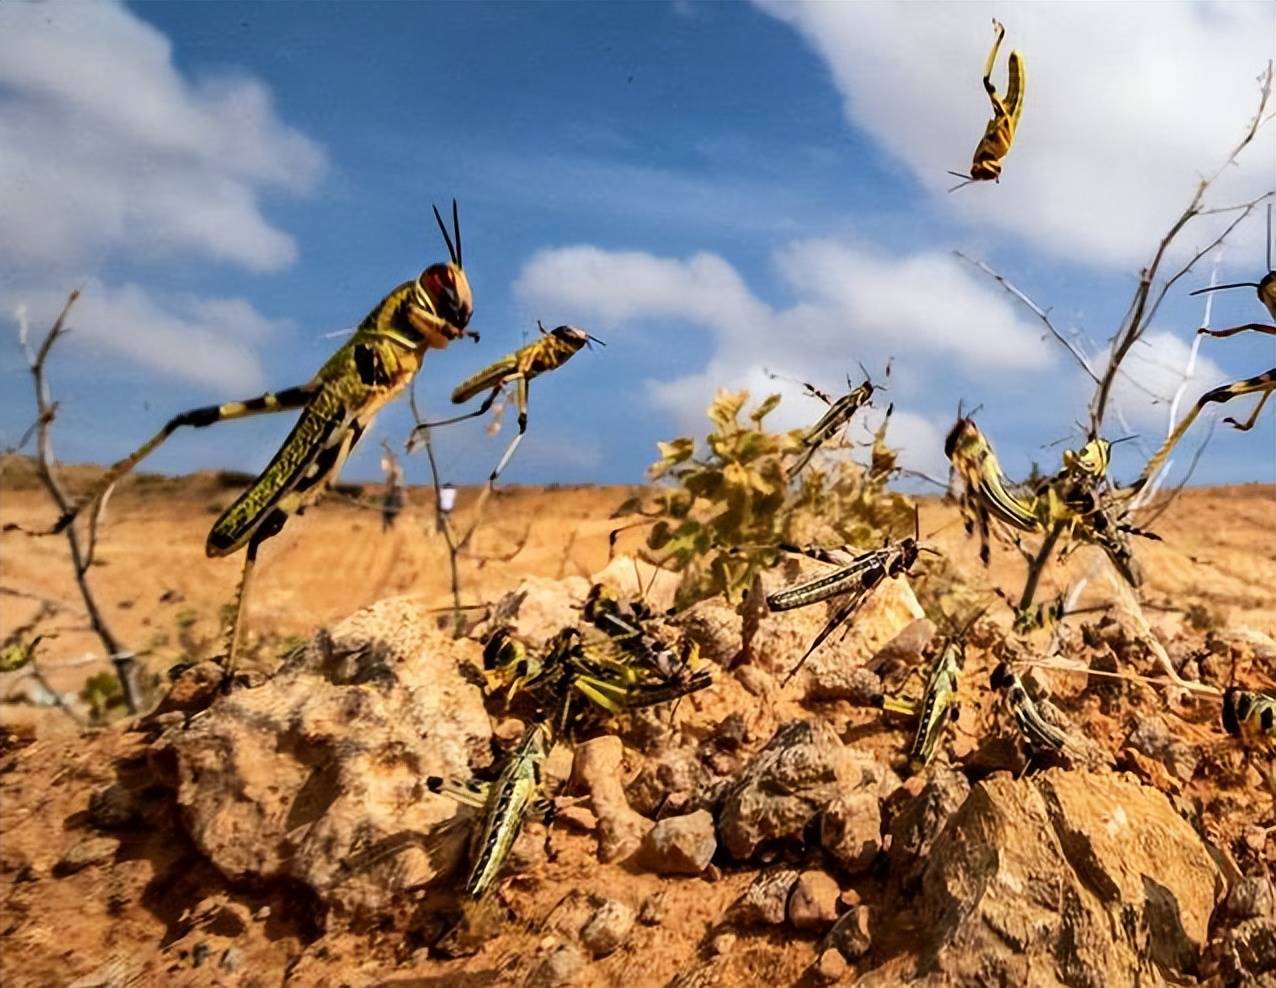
<point x="81" y="552"/>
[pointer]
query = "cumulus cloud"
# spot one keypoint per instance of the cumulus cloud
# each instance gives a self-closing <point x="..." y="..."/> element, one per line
<point x="105" y="146"/>
<point x="1123" y="112"/>
<point x="108" y="152"/>
<point x="207" y="341"/>
<point x="850" y="303"/>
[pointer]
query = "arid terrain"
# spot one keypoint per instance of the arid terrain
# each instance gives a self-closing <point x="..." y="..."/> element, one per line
<point x="202" y="854"/>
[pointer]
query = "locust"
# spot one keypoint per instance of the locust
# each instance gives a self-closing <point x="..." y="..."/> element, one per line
<point x="855" y="580"/>
<point x="999" y="135"/>
<point x="613" y="678"/>
<point x="1076" y="503"/>
<point x="840" y="412"/>
<point x="985" y="493"/>
<point x="1250" y="717"/>
<point x="506" y="803"/>
<point x="337" y="405"/>
<point x="1041" y="736"/>
<point x="547" y="352"/>
<point x="938" y="704"/>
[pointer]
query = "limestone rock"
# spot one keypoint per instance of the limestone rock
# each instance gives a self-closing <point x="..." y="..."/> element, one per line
<point x="561" y="967"/>
<point x="716" y="628"/>
<point x="851" y="830"/>
<point x="786" y="785"/>
<point x="598" y="766"/>
<point x="813" y="901"/>
<point x="318" y="775"/>
<point x="1078" y="878"/>
<point x="679" y="845"/>
<point x="765" y="901"/>
<point x="607" y="928"/>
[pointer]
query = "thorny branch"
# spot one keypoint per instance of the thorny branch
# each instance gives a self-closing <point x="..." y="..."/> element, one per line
<point x="1139" y="315"/>
<point x="81" y="553"/>
<point x="1037" y="310"/>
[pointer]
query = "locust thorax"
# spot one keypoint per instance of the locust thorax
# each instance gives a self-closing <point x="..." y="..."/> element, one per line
<point x="441" y="304"/>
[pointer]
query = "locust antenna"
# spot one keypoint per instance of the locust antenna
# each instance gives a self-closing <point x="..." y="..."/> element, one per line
<point x="456" y="226"/>
<point x="1219" y="288"/>
<point x="447" y="239"/>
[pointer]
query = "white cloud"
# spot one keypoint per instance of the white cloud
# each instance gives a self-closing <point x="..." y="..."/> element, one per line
<point x="849" y="304"/>
<point x="105" y="146"/>
<point x="208" y="341"/>
<point x="1123" y="111"/>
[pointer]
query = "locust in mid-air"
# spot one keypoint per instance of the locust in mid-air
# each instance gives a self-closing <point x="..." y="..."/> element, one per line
<point x="549" y="351"/>
<point x="840" y="412"/>
<point x="337" y="405"/>
<point x="1000" y="132"/>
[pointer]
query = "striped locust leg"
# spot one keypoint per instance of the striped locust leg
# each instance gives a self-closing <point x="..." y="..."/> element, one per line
<point x="276" y="401"/>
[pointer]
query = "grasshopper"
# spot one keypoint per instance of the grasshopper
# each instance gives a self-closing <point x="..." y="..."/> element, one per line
<point x="938" y="705"/>
<point x="856" y="579"/>
<point x="1000" y="132"/>
<point x="337" y="405"/>
<point x="549" y="351"/>
<point x="506" y="803"/>
<point x="614" y="677"/>
<point x="839" y="413"/>
<point x="1041" y="736"/>
<point x="984" y="491"/>
<point x="1250" y="717"/>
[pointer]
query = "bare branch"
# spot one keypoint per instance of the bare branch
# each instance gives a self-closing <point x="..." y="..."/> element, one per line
<point x="1140" y="313"/>
<point x="1037" y="310"/>
<point x="81" y="555"/>
<point x="442" y="522"/>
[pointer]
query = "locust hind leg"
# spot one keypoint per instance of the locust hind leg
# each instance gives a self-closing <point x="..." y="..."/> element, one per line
<point x="1253" y="416"/>
<point x="268" y="403"/>
<point x="272" y="526"/>
<point x="520" y="401"/>
<point x="843" y="613"/>
<point x="1000" y="30"/>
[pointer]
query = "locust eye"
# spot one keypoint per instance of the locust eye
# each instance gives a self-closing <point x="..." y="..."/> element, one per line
<point x="570" y="334"/>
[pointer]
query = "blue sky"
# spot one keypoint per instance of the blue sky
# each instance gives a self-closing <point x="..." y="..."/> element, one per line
<point x="711" y="188"/>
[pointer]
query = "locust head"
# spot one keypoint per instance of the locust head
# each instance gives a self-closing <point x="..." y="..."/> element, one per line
<point x="985" y="170"/>
<point x="442" y="300"/>
<point x="442" y="303"/>
<point x="573" y="337"/>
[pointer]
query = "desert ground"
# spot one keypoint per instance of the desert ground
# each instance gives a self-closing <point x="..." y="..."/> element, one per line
<point x="117" y="870"/>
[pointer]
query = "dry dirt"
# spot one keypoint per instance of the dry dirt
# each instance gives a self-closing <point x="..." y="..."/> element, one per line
<point x="142" y="906"/>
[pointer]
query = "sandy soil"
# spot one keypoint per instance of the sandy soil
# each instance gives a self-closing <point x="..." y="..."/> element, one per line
<point x="159" y="914"/>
